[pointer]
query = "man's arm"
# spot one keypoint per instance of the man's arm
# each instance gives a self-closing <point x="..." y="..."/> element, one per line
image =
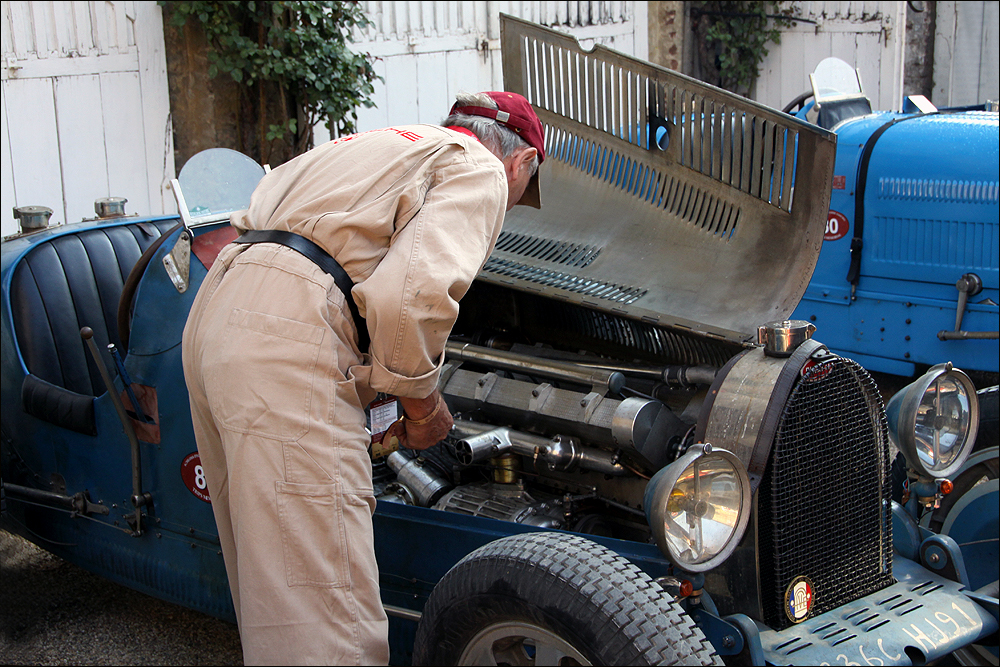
<point x="411" y="299"/>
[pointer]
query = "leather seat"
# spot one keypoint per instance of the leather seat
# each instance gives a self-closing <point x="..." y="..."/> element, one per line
<point x="62" y="285"/>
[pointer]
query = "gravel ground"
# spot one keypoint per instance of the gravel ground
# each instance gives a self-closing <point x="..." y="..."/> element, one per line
<point x="54" y="613"/>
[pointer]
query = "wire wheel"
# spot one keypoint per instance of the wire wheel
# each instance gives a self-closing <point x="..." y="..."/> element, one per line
<point x="519" y="643"/>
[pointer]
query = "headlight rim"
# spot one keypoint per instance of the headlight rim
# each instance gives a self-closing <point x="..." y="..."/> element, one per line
<point x="903" y="427"/>
<point x="658" y="492"/>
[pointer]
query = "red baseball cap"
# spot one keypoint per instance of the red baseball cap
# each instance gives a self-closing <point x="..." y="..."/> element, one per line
<point x="515" y="113"/>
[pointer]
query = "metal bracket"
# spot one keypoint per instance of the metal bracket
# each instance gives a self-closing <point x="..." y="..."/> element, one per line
<point x="725" y="637"/>
<point x="539" y="395"/>
<point x="751" y="636"/>
<point x="968" y="285"/>
<point x="178" y="262"/>
<point x="941" y="554"/>
<point x="484" y="385"/>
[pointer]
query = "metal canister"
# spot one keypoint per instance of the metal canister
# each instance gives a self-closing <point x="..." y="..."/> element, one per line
<point x="110" y="207"/>
<point x="782" y="337"/>
<point x="505" y="468"/>
<point x="32" y="218"/>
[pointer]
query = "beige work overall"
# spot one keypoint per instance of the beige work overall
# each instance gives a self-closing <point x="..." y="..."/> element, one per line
<point x="278" y="386"/>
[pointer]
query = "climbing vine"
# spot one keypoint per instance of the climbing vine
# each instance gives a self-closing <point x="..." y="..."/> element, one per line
<point x="291" y="61"/>
<point x="732" y="39"/>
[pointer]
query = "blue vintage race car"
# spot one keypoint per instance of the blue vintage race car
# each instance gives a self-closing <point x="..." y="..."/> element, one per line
<point x="650" y="464"/>
<point x="909" y="271"/>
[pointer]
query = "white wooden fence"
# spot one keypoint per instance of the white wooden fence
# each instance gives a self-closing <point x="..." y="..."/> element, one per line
<point x="85" y="109"/>
<point x="869" y="35"/>
<point x="966" y="53"/>
<point x="429" y="51"/>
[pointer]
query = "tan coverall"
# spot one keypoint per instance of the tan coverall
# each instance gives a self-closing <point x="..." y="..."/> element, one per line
<point x="278" y="386"/>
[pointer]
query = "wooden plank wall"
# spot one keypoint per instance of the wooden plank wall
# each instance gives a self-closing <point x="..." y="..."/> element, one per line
<point x="966" y="53"/>
<point x="85" y="109"/>
<point x="868" y="34"/>
<point x="428" y="51"/>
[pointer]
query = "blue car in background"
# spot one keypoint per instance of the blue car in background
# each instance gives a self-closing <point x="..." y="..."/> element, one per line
<point x="908" y="275"/>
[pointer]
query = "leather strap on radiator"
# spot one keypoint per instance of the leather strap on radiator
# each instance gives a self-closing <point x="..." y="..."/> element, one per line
<point x="323" y="260"/>
<point x="776" y="407"/>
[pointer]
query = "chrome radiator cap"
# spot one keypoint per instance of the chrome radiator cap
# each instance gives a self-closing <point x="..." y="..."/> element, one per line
<point x="781" y="338"/>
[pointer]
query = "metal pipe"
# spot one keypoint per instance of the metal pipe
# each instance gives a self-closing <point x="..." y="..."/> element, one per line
<point x="474" y="434"/>
<point x="556" y="370"/>
<point x="968" y="335"/>
<point x="75" y="503"/>
<point x="425" y="484"/>
<point x="558" y="453"/>
<point x="40" y="496"/>
<point x="400" y="612"/>
<point x="674" y="375"/>
<point x="482" y="446"/>
<point x="138" y="497"/>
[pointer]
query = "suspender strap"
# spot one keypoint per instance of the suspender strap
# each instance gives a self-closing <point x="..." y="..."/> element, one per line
<point x="320" y="258"/>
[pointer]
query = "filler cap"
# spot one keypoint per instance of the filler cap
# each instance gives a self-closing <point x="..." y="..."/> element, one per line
<point x="782" y="337"/>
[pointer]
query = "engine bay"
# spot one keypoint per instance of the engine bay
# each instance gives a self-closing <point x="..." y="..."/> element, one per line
<point x="555" y="427"/>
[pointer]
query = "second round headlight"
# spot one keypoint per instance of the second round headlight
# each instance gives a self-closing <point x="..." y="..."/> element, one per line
<point x="698" y="507"/>
<point x="934" y="420"/>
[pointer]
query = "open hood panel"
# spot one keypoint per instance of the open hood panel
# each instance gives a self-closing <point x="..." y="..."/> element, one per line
<point x="663" y="198"/>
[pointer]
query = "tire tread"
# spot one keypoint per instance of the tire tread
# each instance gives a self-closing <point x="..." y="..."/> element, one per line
<point x="639" y="623"/>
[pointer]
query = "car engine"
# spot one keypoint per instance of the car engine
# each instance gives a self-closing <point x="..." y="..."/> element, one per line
<point x="559" y="432"/>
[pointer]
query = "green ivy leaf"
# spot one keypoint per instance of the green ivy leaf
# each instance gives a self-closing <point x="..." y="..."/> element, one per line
<point x="300" y="47"/>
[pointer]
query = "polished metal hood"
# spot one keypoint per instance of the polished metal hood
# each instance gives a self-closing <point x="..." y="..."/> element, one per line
<point x="664" y="199"/>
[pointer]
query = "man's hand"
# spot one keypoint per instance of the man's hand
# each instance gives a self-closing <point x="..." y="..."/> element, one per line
<point x="427" y="422"/>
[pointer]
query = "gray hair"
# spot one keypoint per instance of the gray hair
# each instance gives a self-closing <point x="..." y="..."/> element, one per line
<point x="496" y="137"/>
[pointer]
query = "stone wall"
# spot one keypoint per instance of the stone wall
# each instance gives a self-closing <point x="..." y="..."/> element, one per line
<point x="667" y="31"/>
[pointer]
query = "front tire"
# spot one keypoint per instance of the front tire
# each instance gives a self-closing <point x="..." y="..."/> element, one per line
<point x="554" y="598"/>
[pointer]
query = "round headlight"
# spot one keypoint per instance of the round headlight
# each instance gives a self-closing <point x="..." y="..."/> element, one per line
<point x="934" y="420"/>
<point x="698" y="507"/>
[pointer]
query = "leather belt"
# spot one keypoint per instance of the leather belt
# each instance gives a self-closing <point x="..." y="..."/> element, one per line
<point x="323" y="260"/>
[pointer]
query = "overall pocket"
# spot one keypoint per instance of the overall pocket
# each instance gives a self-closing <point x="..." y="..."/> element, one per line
<point x="260" y="381"/>
<point x="313" y="535"/>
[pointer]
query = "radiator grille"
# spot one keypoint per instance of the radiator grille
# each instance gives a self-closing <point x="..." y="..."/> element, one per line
<point x="824" y="502"/>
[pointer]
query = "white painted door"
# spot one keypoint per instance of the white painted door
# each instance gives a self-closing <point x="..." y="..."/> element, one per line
<point x="85" y="108"/>
<point x="966" y="53"/>
<point x="869" y="35"/>
<point x="429" y="51"/>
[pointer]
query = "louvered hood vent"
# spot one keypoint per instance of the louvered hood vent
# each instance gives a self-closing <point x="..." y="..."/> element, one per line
<point x="663" y="199"/>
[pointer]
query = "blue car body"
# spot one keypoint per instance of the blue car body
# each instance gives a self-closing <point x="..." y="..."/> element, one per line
<point x="917" y="196"/>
